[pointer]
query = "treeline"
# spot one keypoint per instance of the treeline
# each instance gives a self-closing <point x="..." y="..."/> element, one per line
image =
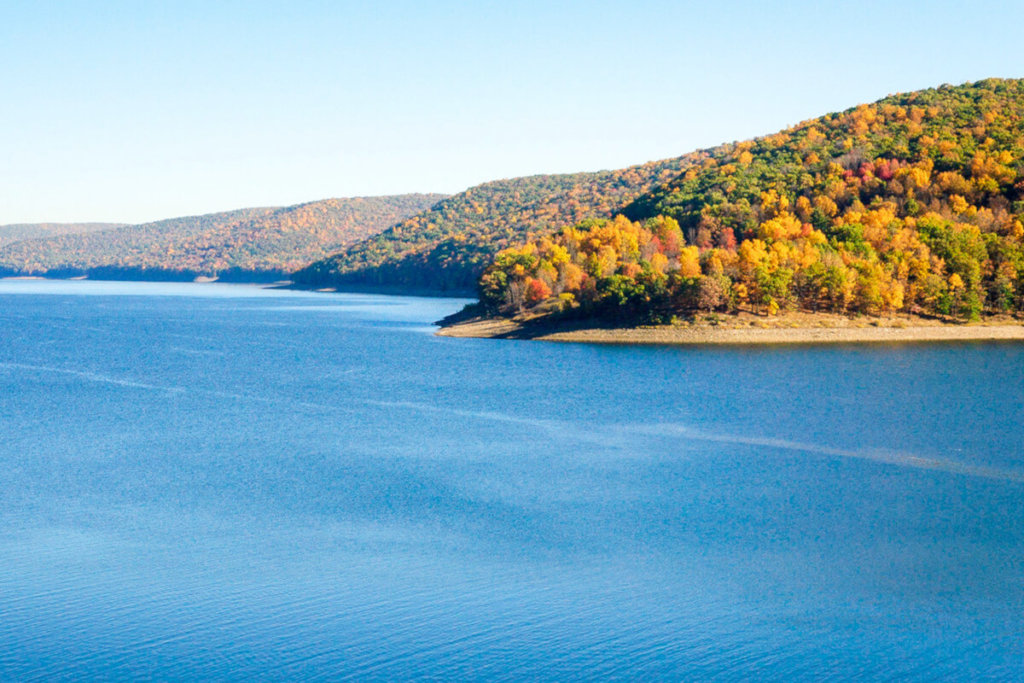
<point x="128" y="274"/>
<point x="17" y="232"/>
<point x="258" y="243"/>
<point x="912" y="204"/>
<point x="447" y="247"/>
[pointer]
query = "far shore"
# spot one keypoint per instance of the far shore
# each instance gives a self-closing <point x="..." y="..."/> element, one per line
<point x="242" y="278"/>
<point x="388" y="290"/>
<point x="794" y="328"/>
<point x="247" y="278"/>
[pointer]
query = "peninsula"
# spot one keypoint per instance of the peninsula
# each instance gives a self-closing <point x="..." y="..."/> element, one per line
<point x="897" y="220"/>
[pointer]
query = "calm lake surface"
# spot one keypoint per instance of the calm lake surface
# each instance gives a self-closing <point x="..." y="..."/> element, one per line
<point x="223" y="482"/>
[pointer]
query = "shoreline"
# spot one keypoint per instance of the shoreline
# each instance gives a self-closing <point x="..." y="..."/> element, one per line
<point x="746" y="330"/>
<point x="283" y="285"/>
<point x="170" y="277"/>
<point x="387" y="290"/>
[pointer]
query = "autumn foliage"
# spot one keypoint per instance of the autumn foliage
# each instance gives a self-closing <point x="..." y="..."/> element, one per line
<point x="912" y="204"/>
<point x="272" y="241"/>
<point x="447" y="247"/>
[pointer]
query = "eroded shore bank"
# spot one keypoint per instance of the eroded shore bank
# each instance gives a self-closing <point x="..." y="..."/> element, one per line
<point x="747" y="329"/>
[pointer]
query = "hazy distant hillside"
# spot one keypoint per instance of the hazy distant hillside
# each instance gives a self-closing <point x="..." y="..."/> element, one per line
<point x="28" y="231"/>
<point x="447" y="247"/>
<point x="260" y="242"/>
<point x="912" y="204"/>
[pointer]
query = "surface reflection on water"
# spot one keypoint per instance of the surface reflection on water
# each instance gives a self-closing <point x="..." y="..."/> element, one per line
<point x="218" y="481"/>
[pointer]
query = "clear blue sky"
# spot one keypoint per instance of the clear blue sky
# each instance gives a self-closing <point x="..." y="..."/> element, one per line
<point x="133" y="111"/>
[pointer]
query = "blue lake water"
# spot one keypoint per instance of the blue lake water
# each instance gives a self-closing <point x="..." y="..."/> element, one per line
<point x="224" y="482"/>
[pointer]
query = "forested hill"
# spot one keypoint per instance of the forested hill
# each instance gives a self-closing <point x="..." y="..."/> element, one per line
<point x="447" y="247"/>
<point x="258" y="243"/>
<point x="29" y="231"/>
<point x="912" y="204"/>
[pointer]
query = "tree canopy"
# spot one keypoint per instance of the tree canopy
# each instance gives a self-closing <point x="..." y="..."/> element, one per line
<point x="259" y="242"/>
<point x="447" y="247"/>
<point x="912" y="204"/>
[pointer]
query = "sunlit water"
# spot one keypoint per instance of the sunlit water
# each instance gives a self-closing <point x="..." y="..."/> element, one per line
<point x="222" y="482"/>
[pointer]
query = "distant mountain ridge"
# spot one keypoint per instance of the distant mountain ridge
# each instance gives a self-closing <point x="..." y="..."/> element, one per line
<point x="255" y="243"/>
<point x="17" y="232"/>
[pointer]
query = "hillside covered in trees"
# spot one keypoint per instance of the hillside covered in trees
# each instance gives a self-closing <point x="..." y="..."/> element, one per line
<point x="17" y="232"/>
<point x="913" y="204"/>
<point x="448" y="247"/>
<point x="250" y="244"/>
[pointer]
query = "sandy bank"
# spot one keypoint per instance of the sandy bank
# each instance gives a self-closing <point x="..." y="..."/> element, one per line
<point x="790" y="329"/>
